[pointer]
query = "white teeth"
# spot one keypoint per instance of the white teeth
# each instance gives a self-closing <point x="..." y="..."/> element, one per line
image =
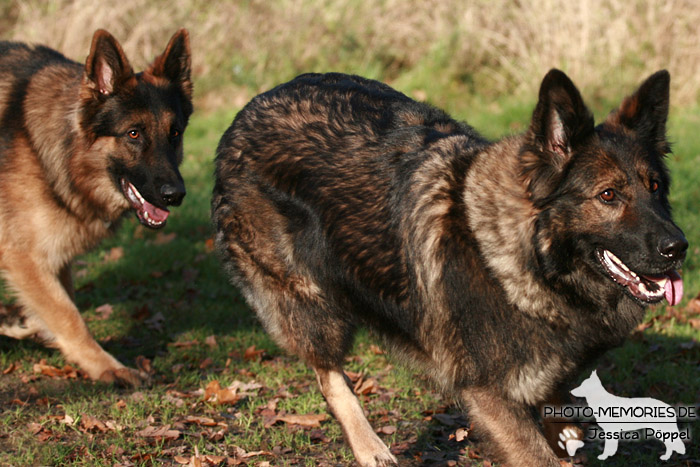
<point x="147" y="217"/>
<point x="615" y="264"/>
<point x="137" y="196"/>
<point x="611" y="257"/>
<point x="621" y="273"/>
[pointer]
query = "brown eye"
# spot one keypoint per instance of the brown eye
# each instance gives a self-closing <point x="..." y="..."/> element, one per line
<point x="654" y="186"/>
<point x="608" y="195"/>
<point x="134" y="134"/>
<point x="174" y="133"/>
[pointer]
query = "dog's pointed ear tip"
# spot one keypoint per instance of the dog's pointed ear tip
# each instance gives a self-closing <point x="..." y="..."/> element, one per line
<point x="181" y="34"/>
<point x="555" y="80"/>
<point x="663" y="77"/>
<point x="554" y="73"/>
<point x="102" y="34"/>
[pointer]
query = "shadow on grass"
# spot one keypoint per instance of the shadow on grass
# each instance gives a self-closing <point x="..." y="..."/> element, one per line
<point x="170" y="290"/>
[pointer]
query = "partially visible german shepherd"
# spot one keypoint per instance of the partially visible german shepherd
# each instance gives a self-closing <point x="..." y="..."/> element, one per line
<point x="499" y="268"/>
<point x="80" y="146"/>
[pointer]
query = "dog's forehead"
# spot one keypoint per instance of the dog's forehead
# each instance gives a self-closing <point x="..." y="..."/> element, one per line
<point x="624" y="154"/>
<point x="156" y="93"/>
<point x="150" y="106"/>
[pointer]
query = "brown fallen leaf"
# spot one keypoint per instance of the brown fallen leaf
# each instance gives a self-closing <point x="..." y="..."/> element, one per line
<point x="319" y="436"/>
<point x="304" y="420"/>
<point x="240" y="453"/>
<point x="214" y="460"/>
<point x="387" y="430"/>
<point x="67" y="420"/>
<point x="163" y="432"/>
<point x="203" y="421"/>
<point x="45" y="369"/>
<point x="42" y="433"/>
<point x="218" y="435"/>
<point x="144" y="364"/>
<point x="35" y="428"/>
<point x="461" y="434"/>
<point x="641" y="327"/>
<point x="185" y="344"/>
<point x="211" y="341"/>
<point x="216" y="394"/>
<point x="251" y="354"/>
<point x="89" y="423"/>
<point x="209" y="245"/>
<point x="10" y="369"/>
<point x="353" y="376"/>
<point x="206" y="363"/>
<point x="114" y="254"/>
<point x="104" y="311"/>
<point x="164" y="238"/>
<point x="366" y="386"/>
<point x="694" y="305"/>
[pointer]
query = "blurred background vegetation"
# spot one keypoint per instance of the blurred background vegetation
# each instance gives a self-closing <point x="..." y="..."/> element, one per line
<point x="446" y="50"/>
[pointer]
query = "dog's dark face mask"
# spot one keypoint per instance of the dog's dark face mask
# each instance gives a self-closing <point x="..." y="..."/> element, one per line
<point x="144" y="115"/>
<point x="602" y="194"/>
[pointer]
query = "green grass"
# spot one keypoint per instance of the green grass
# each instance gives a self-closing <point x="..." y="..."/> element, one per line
<point x="169" y="298"/>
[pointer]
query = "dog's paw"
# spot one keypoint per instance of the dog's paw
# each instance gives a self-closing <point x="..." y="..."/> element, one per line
<point x="125" y="377"/>
<point x="386" y="460"/>
<point x="570" y="440"/>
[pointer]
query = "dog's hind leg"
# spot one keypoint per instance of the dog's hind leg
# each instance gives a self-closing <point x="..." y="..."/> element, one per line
<point x="17" y="324"/>
<point x="368" y="449"/>
<point x="65" y="275"/>
<point x="46" y="300"/>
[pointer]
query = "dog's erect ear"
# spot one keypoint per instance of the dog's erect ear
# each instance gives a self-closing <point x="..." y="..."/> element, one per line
<point x="645" y="112"/>
<point x="106" y="67"/>
<point x="560" y="122"/>
<point x="175" y="63"/>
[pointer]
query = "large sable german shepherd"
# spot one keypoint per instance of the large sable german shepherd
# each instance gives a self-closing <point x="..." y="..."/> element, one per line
<point x="499" y="268"/>
<point x="79" y="146"/>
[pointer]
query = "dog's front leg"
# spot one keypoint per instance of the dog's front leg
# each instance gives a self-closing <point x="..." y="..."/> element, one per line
<point x="368" y="449"/>
<point x="564" y="436"/>
<point x="52" y="314"/>
<point x="507" y="429"/>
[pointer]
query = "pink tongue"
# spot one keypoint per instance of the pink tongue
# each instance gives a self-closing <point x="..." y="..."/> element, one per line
<point x="155" y="213"/>
<point x="674" y="288"/>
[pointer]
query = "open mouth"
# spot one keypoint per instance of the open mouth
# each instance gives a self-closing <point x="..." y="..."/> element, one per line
<point x="149" y="215"/>
<point x="647" y="288"/>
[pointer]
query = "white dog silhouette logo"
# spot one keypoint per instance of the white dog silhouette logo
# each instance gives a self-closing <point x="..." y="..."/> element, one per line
<point x="617" y="415"/>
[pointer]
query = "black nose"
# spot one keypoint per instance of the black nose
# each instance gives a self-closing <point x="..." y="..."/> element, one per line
<point x="673" y="247"/>
<point x="172" y="195"/>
